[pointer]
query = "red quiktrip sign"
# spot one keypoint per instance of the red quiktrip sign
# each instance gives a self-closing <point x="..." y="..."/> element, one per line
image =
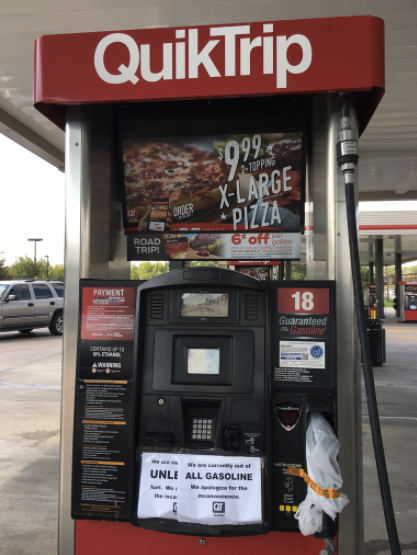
<point x="262" y="58"/>
<point x="303" y="301"/>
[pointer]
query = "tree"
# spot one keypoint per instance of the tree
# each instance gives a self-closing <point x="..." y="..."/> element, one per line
<point x="23" y="269"/>
<point x="147" y="270"/>
<point x="298" y="273"/>
<point x="3" y="268"/>
<point x="365" y="276"/>
<point x="409" y="270"/>
<point x="56" y="273"/>
<point x="200" y="263"/>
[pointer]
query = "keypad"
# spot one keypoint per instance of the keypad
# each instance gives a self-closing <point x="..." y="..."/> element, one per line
<point x="202" y="429"/>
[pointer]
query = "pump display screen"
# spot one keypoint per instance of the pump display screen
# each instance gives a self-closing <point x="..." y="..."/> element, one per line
<point x="206" y="305"/>
<point x="203" y="361"/>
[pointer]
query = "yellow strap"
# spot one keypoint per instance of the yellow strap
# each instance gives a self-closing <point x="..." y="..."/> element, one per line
<point x="327" y="493"/>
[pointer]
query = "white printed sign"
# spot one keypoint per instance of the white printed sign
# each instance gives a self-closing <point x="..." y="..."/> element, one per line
<point x="220" y="490"/>
<point x="203" y="489"/>
<point x="302" y="354"/>
<point x="158" y="489"/>
<point x="252" y="246"/>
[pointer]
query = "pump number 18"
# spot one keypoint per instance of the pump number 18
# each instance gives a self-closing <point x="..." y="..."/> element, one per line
<point x="303" y="301"/>
<point x="307" y="300"/>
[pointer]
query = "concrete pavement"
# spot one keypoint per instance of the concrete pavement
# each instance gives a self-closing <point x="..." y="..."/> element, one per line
<point x="30" y="390"/>
<point x="396" y="386"/>
<point x="30" y="376"/>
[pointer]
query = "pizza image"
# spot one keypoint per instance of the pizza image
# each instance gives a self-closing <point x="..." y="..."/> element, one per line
<point x="191" y="177"/>
<point x="158" y="214"/>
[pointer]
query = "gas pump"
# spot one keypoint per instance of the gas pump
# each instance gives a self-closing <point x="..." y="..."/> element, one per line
<point x="202" y="404"/>
<point x="194" y="391"/>
<point x="407" y="301"/>
<point x="370" y="300"/>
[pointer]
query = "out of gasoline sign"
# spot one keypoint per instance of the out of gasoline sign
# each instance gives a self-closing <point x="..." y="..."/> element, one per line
<point x="203" y="489"/>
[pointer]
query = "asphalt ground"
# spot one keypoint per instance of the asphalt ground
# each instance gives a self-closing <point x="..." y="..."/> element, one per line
<point x="396" y="387"/>
<point x="30" y="377"/>
<point x="30" y="399"/>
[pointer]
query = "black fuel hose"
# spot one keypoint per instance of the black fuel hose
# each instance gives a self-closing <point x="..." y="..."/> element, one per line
<point x="368" y="375"/>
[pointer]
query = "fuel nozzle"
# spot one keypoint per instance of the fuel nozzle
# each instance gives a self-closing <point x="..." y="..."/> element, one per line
<point x="347" y="147"/>
<point x="330" y="547"/>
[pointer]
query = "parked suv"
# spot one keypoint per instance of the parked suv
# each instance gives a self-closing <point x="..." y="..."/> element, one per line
<point x="26" y="305"/>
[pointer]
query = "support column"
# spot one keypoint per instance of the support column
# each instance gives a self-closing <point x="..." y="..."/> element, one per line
<point x="398" y="261"/>
<point x="281" y="271"/>
<point x="287" y="270"/>
<point x="379" y="277"/>
<point x="398" y="271"/>
<point x="371" y="274"/>
<point x="328" y="258"/>
<point x="371" y="264"/>
<point x="95" y="248"/>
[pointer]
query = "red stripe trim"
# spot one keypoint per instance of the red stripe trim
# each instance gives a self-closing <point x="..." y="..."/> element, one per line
<point x="370" y="227"/>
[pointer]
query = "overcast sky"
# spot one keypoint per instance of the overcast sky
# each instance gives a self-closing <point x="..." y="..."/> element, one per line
<point x="32" y="205"/>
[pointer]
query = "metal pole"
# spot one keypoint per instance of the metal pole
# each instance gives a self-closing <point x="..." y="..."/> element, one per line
<point x="328" y="258"/>
<point x="379" y="277"/>
<point x="398" y="261"/>
<point x="281" y="271"/>
<point x="34" y="259"/>
<point x="398" y="267"/>
<point x="371" y="273"/>
<point x="287" y="270"/>
<point x="371" y="264"/>
<point x="34" y="266"/>
<point x="47" y="266"/>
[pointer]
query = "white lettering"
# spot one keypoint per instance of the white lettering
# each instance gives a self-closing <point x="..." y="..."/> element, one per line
<point x="268" y="49"/>
<point x="165" y="73"/>
<point x="126" y="73"/>
<point x="265" y="206"/>
<point x="230" y="34"/>
<point x="253" y="192"/>
<point x="224" y="198"/>
<point x="237" y="217"/>
<point x="180" y="60"/>
<point x="196" y="59"/>
<point x="276" y="190"/>
<point x="282" y="62"/>
<point x="246" y="47"/>
<point x="239" y="198"/>
<point x="275" y="215"/>
<point x="255" y="209"/>
<point x="286" y="179"/>
<point x="263" y="185"/>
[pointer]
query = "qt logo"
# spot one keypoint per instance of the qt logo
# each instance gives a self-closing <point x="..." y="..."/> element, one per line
<point x="219" y="507"/>
<point x="132" y="214"/>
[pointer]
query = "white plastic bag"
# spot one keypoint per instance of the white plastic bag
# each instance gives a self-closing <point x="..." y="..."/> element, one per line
<point x="322" y="448"/>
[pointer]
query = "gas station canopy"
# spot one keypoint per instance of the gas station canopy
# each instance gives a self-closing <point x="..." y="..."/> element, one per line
<point x="388" y="148"/>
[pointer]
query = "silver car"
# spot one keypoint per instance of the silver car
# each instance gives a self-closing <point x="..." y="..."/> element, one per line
<point x="27" y="304"/>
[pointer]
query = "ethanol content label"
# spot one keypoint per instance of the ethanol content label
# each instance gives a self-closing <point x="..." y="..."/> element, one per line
<point x="203" y="489"/>
<point x="302" y="354"/>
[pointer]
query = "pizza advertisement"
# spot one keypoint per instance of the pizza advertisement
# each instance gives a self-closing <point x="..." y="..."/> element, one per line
<point x="246" y="182"/>
<point x="215" y="246"/>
